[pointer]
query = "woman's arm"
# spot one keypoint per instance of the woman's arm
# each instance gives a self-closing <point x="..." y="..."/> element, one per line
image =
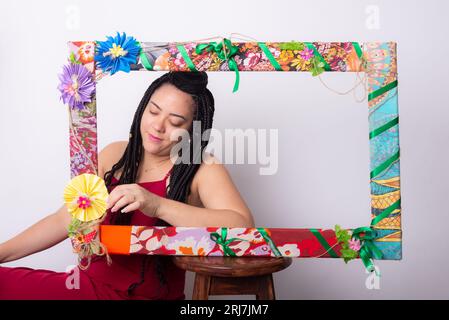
<point x="52" y="229"/>
<point x="223" y="205"/>
<point x="42" y="235"/>
<point x="183" y="215"/>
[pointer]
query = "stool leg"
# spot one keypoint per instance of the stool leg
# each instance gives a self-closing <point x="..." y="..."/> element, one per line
<point x="201" y="287"/>
<point x="266" y="288"/>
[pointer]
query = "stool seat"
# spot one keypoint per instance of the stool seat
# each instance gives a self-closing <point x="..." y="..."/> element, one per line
<point x="232" y="266"/>
<point x="232" y="275"/>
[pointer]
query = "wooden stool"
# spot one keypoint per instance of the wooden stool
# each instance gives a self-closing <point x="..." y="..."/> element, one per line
<point x="232" y="275"/>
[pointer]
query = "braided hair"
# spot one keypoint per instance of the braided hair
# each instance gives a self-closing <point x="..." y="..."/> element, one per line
<point x="193" y="83"/>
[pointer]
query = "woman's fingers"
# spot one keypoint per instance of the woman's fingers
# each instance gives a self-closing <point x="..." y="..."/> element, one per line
<point x="116" y="194"/>
<point x="112" y="199"/>
<point x="126" y="199"/>
<point x="122" y="196"/>
<point x="131" y="207"/>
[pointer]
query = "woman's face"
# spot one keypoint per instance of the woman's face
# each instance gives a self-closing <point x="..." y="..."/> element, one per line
<point x="168" y="110"/>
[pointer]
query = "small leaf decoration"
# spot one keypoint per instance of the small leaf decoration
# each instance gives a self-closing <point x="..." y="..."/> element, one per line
<point x="73" y="227"/>
<point x="293" y="45"/>
<point x="364" y="63"/>
<point x="317" y="66"/>
<point x="342" y="235"/>
<point x="348" y="254"/>
<point x="72" y="58"/>
<point x="343" y="238"/>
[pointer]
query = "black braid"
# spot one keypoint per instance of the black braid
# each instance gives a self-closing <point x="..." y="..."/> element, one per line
<point x="142" y="277"/>
<point x="182" y="174"/>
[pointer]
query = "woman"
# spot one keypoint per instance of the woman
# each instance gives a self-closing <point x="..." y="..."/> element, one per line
<point x="146" y="188"/>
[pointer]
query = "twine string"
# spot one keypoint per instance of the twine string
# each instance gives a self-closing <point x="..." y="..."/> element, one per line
<point x="86" y="251"/>
<point x="359" y="81"/>
<point x="330" y="248"/>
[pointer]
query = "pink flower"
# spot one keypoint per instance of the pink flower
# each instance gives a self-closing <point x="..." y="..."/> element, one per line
<point x="83" y="202"/>
<point x="306" y="54"/>
<point x="179" y="61"/>
<point x="354" y="244"/>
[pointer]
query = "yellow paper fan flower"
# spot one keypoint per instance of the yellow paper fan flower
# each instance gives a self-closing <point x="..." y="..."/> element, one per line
<point x="85" y="197"/>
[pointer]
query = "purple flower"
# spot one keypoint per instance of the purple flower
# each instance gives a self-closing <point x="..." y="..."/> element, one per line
<point x="306" y="54"/>
<point x="354" y="244"/>
<point x="77" y="85"/>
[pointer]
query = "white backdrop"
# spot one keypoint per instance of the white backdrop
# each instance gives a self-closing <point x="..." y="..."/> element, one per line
<point x="319" y="131"/>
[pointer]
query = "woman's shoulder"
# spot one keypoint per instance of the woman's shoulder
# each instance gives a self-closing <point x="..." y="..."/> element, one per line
<point x="214" y="186"/>
<point x="209" y="168"/>
<point x="208" y="165"/>
<point x="110" y="155"/>
<point x="210" y="161"/>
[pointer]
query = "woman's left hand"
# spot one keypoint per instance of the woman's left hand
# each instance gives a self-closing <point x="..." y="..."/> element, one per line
<point x="132" y="197"/>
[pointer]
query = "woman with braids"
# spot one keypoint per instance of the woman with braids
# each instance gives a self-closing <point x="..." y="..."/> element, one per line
<point x="147" y="186"/>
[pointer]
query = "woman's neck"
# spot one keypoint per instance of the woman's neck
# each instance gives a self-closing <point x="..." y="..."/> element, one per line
<point x="152" y="162"/>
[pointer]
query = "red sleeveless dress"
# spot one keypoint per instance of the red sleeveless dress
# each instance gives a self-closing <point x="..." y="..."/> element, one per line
<point x="101" y="281"/>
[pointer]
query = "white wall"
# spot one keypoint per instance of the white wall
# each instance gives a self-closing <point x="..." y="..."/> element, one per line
<point x="318" y="130"/>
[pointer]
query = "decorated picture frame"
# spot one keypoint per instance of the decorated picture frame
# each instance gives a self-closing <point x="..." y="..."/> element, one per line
<point x="89" y="61"/>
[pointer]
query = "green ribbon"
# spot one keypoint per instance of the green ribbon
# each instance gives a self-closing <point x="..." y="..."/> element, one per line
<point x="225" y="51"/>
<point x="383" y="128"/>
<point x="357" y="49"/>
<point x="382" y="90"/>
<point x="324" y="243"/>
<point x="186" y="57"/>
<point x="223" y="242"/>
<point x="379" y="169"/>
<point x="386" y="212"/>
<point x="270" y="57"/>
<point x="318" y="55"/>
<point x="359" y="52"/>
<point x="145" y="62"/>
<point x="367" y="235"/>
<point x="144" y="59"/>
<point x="269" y="241"/>
<point x="368" y="251"/>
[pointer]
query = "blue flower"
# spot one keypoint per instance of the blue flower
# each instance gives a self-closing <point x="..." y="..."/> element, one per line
<point x="117" y="53"/>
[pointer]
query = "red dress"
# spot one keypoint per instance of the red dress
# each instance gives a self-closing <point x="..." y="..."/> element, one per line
<point x="101" y="281"/>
